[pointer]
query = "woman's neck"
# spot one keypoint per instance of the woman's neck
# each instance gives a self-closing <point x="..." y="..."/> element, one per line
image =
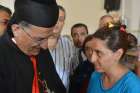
<point x="113" y="75"/>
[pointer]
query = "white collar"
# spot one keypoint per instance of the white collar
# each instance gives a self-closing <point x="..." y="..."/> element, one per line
<point x="14" y="40"/>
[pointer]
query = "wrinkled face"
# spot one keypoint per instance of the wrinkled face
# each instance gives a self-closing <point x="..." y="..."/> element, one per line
<point x="52" y="42"/>
<point x="29" y="39"/>
<point x="79" y="34"/>
<point x="102" y="57"/>
<point x="4" y="17"/>
<point x="103" y="22"/>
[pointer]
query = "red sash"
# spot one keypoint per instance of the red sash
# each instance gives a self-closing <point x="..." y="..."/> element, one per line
<point x="35" y="86"/>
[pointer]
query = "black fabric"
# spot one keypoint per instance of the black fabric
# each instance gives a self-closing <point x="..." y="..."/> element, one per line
<point x="80" y="55"/>
<point x="45" y="1"/>
<point x="11" y="21"/>
<point x="111" y="5"/>
<point x="16" y="69"/>
<point x="43" y="13"/>
<point x="79" y="80"/>
<point x="47" y="66"/>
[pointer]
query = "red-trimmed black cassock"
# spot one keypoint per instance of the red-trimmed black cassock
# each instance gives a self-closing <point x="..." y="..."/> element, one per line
<point x="18" y="73"/>
<point x="16" y="70"/>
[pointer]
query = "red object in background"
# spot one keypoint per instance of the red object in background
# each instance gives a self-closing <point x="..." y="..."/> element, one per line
<point x="123" y="28"/>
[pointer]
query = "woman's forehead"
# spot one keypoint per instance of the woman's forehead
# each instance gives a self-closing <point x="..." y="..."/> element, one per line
<point x="96" y="42"/>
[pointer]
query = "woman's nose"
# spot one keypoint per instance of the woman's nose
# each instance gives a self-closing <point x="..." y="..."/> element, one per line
<point x="93" y="57"/>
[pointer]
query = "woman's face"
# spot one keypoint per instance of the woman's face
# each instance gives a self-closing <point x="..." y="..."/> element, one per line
<point x="88" y="50"/>
<point x="102" y="57"/>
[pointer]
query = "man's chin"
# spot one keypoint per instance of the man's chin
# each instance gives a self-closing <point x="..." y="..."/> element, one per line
<point x="79" y="46"/>
<point x="34" y="52"/>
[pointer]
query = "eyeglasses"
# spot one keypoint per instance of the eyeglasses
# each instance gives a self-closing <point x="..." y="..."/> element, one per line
<point x="4" y="21"/>
<point x="37" y="41"/>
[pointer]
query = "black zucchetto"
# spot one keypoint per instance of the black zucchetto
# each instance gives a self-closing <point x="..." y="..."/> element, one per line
<point x="42" y="13"/>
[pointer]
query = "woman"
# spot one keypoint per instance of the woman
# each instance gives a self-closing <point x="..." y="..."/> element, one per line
<point x="81" y="76"/>
<point x="108" y="46"/>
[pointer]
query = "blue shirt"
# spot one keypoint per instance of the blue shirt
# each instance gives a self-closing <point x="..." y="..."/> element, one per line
<point x="129" y="83"/>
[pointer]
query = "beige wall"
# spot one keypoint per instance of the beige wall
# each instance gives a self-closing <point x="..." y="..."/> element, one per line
<point x="8" y="3"/>
<point x="89" y="12"/>
<point x="85" y="11"/>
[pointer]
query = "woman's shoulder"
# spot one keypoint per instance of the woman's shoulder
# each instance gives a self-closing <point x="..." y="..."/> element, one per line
<point x="96" y="75"/>
<point x="132" y="77"/>
<point x="132" y="83"/>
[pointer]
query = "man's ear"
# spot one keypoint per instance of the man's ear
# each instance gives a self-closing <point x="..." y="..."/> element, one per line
<point x="15" y="28"/>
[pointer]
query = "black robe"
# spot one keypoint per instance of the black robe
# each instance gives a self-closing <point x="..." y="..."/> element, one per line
<point x="16" y="69"/>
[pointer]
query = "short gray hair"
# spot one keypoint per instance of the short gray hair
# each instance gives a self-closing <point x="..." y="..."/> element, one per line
<point x="24" y="24"/>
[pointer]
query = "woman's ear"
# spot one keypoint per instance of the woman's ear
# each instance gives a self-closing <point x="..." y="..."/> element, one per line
<point x="119" y="53"/>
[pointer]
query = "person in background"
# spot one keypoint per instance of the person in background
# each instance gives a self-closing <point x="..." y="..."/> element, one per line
<point x="131" y="55"/>
<point x="104" y="20"/>
<point x="60" y="48"/>
<point x="135" y="52"/>
<point x="133" y="41"/>
<point x="80" y="78"/>
<point x="23" y="64"/>
<point x="116" y="17"/>
<point x="79" y="32"/>
<point x="5" y="15"/>
<point x="108" y="47"/>
<point x="137" y="69"/>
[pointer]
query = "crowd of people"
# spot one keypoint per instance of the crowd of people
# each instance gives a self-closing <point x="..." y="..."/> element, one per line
<point x="36" y="58"/>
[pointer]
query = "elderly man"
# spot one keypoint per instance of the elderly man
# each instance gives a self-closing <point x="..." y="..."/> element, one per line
<point x="104" y="20"/>
<point x="22" y="68"/>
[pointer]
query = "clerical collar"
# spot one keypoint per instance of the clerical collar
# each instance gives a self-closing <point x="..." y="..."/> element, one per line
<point x="14" y="40"/>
